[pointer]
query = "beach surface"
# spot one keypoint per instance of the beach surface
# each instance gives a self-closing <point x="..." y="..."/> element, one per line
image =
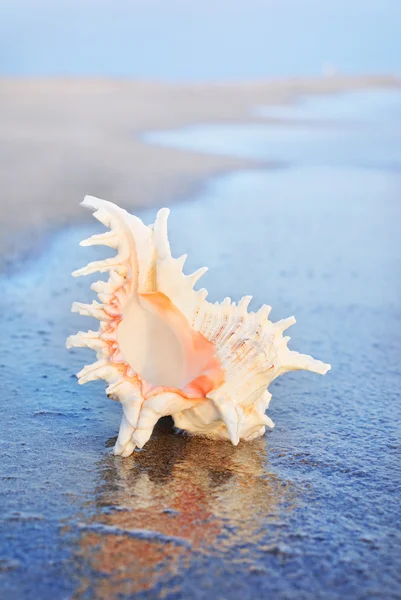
<point x="63" y="138"/>
<point x="294" y="203"/>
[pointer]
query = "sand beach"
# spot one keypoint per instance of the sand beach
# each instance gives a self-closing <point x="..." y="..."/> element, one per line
<point x="296" y="205"/>
<point x="62" y="138"/>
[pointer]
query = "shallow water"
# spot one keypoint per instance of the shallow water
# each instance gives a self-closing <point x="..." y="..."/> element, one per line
<point x="312" y="509"/>
<point x="360" y="129"/>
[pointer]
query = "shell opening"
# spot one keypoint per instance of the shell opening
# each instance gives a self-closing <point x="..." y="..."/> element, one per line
<point x="158" y="343"/>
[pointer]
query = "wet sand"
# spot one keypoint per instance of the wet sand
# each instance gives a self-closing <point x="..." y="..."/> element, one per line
<point x="63" y="138"/>
<point x="308" y="511"/>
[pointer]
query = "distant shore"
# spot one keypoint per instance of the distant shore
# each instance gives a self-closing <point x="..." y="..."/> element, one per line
<point x="62" y="138"/>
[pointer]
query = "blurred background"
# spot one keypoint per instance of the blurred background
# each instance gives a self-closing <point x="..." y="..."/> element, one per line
<point x="81" y="81"/>
<point x="273" y="129"/>
<point x="192" y="41"/>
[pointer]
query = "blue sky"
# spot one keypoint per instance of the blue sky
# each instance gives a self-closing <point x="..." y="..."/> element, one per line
<point x="191" y="40"/>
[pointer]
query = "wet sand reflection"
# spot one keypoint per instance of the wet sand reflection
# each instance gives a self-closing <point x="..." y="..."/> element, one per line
<point x="179" y="496"/>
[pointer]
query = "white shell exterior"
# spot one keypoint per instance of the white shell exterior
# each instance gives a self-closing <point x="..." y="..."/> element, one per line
<point x="148" y="311"/>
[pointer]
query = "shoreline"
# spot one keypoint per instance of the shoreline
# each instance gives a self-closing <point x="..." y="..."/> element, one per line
<point x="62" y="138"/>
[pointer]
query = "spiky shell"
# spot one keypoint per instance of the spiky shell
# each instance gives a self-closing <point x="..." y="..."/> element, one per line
<point x="164" y="349"/>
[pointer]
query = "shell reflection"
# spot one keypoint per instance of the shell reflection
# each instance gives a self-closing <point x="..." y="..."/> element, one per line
<point x="180" y="496"/>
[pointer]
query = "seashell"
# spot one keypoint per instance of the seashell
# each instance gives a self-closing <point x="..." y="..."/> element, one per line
<point x="164" y="349"/>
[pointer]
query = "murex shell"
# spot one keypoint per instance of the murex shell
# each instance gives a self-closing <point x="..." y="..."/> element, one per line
<point x="164" y="349"/>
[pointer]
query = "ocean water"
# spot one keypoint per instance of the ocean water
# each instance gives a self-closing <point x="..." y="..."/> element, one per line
<point x="309" y="511"/>
<point x="208" y="40"/>
<point x="360" y="129"/>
